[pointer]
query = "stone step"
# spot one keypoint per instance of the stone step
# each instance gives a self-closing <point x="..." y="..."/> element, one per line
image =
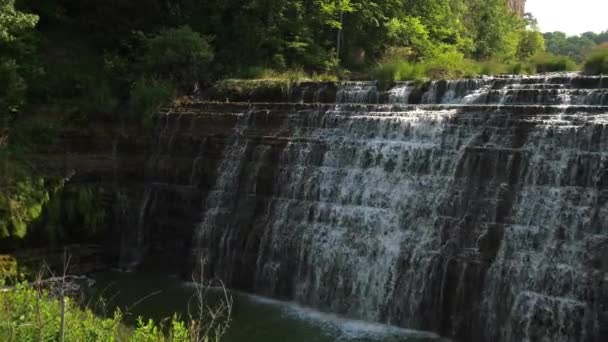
<point x="215" y="108"/>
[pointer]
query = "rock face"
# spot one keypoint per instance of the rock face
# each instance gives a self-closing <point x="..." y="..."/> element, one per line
<point x="518" y="6"/>
<point x="474" y="208"/>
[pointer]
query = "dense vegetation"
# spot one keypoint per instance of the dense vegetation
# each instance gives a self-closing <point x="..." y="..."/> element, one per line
<point x="597" y="61"/>
<point x="32" y="313"/>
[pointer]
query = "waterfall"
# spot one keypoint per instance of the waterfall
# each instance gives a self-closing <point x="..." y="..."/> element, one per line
<point x="476" y="208"/>
<point x="358" y="92"/>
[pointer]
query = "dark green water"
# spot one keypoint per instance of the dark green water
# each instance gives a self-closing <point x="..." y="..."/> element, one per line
<point x="254" y="319"/>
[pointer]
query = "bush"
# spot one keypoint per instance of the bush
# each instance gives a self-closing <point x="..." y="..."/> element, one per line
<point x="597" y="62"/>
<point x="546" y="62"/>
<point x="178" y="54"/>
<point x="444" y="65"/>
<point x="490" y="67"/>
<point x="148" y="97"/>
<point x="20" y="205"/>
<point x="12" y="88"/>
<point x="449" y="64"/>
<point x="98" y="99"/>
<point x="519" y="68"/>
<point x="27" y="314"/>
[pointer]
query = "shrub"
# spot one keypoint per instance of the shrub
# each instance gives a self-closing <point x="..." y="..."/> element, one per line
<point x="27" y="314"/>
<point x="448" y="64"/>
<point x="546" y="62"/>
<point x="98" y="99"/>
<point x="491" y="67"/>
<point x="12" y="88"/>
<point x="519" y="68"/>
<point x="148" y="97"/>
<point x="531" y="43"/>
<point x="177" y="54"/>
<point x="20" y="205"/>
<point x="597" y="62"/>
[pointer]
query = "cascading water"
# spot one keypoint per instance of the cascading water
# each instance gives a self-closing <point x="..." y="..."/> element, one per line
<point x="358" y="92"/>
<point x="482" y="214"/>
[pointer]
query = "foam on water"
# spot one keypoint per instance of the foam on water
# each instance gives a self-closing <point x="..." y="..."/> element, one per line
<point x="343" y="329"/>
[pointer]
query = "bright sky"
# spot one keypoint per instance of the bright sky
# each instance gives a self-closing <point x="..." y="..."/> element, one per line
<point x="570" y="16"/>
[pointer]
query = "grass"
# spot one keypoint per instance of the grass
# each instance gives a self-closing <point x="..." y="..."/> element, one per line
<point x="294" y="75"/>
<point x="453" y="65"/>
<point x="31" y="314"/>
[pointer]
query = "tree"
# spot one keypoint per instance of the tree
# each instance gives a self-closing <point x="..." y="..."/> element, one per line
<point x="12" y="85"/>
<point x="178" y="54"/>
<point x="531" y="43"/>
<point x="494" y="28"/>
<point x="575" y="47"/>
<point x="13" y="21"/>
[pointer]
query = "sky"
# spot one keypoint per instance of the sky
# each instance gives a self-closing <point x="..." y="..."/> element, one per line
<point x="570" y="16"/>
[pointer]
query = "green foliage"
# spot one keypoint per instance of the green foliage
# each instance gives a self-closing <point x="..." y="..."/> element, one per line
<point x="411" y="33"/>
<point x="8" y="268"/>
<point x="21" y="202"/>
<point x="29" y="315"/>
<point x="531" y="43"/>
<point x="494" y="29"/>
<point x="82" y="209"/>
<point x="295" y="75"/>
<point x="98" y="98"/>
<point x="13" y="21"/>
<point x="448" y="64"/>
<point x="12" y="85"/>
<point x="575" y="47"/>
<point x="12" y="88"/>
<point x="597" y="61"/>
<point x="148" y="96"/>
<point x="523" y="67"/>
<point x="546" y="62"/>
<point x="97" y="51"/>
<point x="177" y="54"/>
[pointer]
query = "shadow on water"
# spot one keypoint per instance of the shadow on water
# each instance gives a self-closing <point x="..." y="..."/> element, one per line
<point x="254" y="319"/>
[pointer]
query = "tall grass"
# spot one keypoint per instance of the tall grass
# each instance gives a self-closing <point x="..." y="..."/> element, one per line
<point x="293" y="75"/>
<point x="452" y="65"/>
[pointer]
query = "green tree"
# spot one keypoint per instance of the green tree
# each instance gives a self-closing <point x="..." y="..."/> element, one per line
<point x="531" y="43"/>
<point x="494" y="28"/>
<point x="177" y="54"/>
<point x="12" y="85"/>
<point x="13" y="21"/>
<point x="12" y="89"/>
<point x="575" y="47"/>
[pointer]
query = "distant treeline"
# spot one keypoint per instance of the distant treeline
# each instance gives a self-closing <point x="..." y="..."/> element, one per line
<point x="575" y="47"/>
